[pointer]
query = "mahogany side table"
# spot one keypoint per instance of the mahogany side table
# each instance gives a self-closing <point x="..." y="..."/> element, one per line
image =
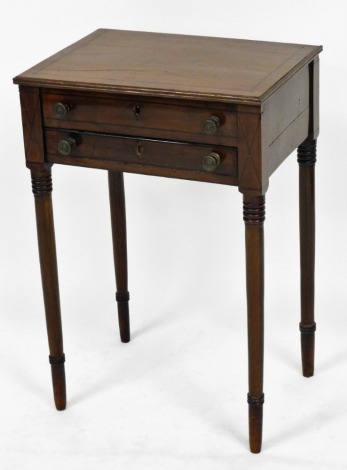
<point x="208" y="109"/>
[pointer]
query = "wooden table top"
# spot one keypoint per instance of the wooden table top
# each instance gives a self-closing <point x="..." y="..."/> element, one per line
<point x="170" y="65"/>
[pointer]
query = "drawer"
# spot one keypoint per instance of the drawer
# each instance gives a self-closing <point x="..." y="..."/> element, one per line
<point x="135" y="155"/>
<point x="176" y="120"/>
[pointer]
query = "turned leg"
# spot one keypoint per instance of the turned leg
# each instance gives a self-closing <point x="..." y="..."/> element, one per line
<point x="42" y="189"/>
<point x="254" y="216"/>
<point x="119" y="237"/>
<point x="307" y="160"/>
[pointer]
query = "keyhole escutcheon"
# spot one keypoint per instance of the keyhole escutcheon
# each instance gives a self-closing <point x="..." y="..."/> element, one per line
<point x="139" y="149"/>
<point x="137" y="111"/>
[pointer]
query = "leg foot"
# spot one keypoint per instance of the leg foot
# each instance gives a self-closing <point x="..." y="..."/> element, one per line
<point x="255" y="417"/>
<point x="307" y="348"/>
<point x="123" y="316"/>
<point x="58" y="380"/>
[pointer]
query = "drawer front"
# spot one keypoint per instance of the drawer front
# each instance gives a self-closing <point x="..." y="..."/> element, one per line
<point x="135" y="155"/>
<point x="204" y="123"/>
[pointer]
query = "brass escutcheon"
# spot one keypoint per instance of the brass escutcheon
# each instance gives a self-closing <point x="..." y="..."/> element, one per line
<point x="139" y="149"/>
<point x="137" y="111"/>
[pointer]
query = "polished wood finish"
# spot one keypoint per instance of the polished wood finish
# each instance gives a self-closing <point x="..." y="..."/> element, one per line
<point x="42" y="189"/>
<point x="217" y="110"/>
<point x="119" y="238"/>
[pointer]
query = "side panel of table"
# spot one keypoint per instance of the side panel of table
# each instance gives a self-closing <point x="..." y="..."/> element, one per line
<point x="268" y="134"/>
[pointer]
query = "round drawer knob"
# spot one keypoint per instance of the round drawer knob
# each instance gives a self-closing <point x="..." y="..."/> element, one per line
<point x="211" y="161"/>
<point x="211" y="125"/>
<point x="61" y="110"/>
<point x="66" y="146"/>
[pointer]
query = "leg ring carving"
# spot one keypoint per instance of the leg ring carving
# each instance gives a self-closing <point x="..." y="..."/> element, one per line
<point x="41" y="185"/>
<point x="122" y="296"/>
<point x="255" y="401"/>
<point x="307" y="153"/>
<point x="307" y="329"/>
<point x="254" y="212"/>
<point x="57" y="361"/>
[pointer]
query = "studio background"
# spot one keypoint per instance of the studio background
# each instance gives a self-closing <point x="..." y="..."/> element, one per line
<point x="175" y="396"/>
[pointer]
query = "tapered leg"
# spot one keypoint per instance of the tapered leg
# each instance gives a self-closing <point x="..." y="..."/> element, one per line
<point x="42" y="189"/>
<point x="119" y="236"/>
<point x="307" y="160"/>
<point x="254" y="216"/>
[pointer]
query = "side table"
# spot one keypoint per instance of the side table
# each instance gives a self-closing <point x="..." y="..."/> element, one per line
<point x="214" y="110"/>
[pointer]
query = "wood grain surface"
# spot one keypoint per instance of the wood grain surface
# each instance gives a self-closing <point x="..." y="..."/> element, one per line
<point x="157" y="64"/>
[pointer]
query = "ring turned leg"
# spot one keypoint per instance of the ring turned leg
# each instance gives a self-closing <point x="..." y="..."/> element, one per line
<point x="119" y="237"/>
<point x="254" y="216"/>
<point x="42" y="189"/>
<point x="307" y="160"/>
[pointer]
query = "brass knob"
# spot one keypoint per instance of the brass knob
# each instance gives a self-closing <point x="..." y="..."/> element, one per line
<point x="61" y="110"/>
<point x="211" y="125"/>
<point x="66" y="146"/>
<point x="210" y="161"/>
